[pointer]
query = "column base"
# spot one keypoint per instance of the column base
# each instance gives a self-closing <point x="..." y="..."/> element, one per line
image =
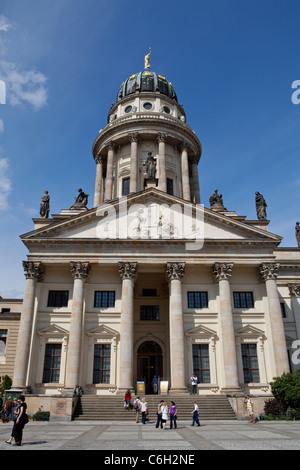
<point x="233" y="390"/>
<point x="178" y="391"/>
<point x="122" y="391"/>
<point x="68" y="391"/>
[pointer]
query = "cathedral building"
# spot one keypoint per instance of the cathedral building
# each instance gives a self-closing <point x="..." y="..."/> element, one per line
<point x="149" y="282"/>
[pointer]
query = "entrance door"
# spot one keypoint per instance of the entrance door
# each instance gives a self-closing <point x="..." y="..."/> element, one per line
<point x="149" y="361"/>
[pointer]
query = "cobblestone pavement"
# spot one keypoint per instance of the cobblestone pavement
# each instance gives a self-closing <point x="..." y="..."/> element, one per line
<point x="132" y="437"/>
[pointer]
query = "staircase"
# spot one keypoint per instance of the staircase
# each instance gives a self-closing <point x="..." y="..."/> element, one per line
<point x="111" y="408"/>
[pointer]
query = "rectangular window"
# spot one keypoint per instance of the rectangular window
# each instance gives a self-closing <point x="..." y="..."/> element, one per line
<point x="170" y="186"/>
<point x="125" y="186"/>
<point x="101" y="373"/>
<point x="201" y="363"/>
<point x="250" y="363"/>
<point x="58" y="298"/>
<point x="3" y="339"/>
<point x="243" y="300"/>
<point x="149" y="312"/>
<point x="52" y="363"/>
<point x="197" y="299"/>
<point x="282" y="306"/>
<point x="104" y="299"/>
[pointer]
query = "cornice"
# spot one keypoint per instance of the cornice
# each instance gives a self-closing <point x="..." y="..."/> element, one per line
<point x="118" y="129"/>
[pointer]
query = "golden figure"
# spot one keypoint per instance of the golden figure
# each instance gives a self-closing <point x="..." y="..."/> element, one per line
<point x="147" y="61"/>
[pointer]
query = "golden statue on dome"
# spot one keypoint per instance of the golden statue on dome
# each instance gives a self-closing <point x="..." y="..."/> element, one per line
<point x="147" y="61"/>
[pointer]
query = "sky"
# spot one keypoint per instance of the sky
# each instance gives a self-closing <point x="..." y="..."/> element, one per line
<point x="232" y="63"/>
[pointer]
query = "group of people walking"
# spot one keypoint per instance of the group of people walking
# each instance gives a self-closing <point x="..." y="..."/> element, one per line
<point x="163" y="413"/>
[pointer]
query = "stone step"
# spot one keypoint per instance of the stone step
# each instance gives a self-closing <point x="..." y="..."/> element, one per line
<point x="93" y="407"/>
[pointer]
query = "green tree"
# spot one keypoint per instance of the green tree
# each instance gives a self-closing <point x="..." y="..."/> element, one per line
<point x="286" y="389"/>
<point x="5" y="384"/>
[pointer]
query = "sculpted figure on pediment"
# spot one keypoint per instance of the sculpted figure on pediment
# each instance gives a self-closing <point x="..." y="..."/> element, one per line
<point x="297" y="233"/>
<point x="81" y="200"/>
<point x="261" y="206"/>
<point x="216" y="201"/>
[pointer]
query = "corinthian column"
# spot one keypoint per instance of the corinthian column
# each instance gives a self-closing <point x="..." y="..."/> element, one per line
<point x="186" y="190"/>
<point x="80" y="271"/>
<point x="134" y="138"/>
<point x="222" y="272"/>
<point x="269" y="273"/>
<point x="175" y="272"/>
<point x="110" y="170"/>
<point x="128" y="274"/>
<point x="162" y="177"/>
<point x="33" y="273"/>
<point x="98" y="196"/>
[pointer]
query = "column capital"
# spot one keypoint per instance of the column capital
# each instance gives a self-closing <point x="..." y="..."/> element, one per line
<point x="111" y="145"/>
<point x="100" y="159"/>
<point x="162" y="137"/>
<point x="269" y="271"/>
<point x="127" y="270"/>
<point x="134" y="136"/>
<point x="33" y="270"/>
<point x="175" y="271"/>
<point x="294" y="289"/>
<point x="80" y="269"/>
<point x="184" y="145"/>
<point x="222" y="271"/>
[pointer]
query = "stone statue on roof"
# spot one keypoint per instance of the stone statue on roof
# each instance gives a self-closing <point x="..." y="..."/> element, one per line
<point x="216" y="202"/>
<point x="45" y="205"/>
<point x="297" y="233"/>
<point x="81" y="200"/>
<point x="261" y="206"/>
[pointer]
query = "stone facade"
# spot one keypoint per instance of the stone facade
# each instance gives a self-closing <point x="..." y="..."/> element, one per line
<point x="152" y="283"/>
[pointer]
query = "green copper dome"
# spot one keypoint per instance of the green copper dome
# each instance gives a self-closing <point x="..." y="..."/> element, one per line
<point x="146" y="82"/>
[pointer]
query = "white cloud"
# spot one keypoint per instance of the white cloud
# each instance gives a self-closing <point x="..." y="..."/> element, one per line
<point x="5" y="25"/>
<point x="24" y="86"/>
<point x="5" y="183"/>
<point x="1" y="126"/>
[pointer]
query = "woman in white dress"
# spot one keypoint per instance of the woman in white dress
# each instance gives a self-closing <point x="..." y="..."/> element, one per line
<point x="164" y="414"/>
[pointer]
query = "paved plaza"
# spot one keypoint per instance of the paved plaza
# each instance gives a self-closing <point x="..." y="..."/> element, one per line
<point x="120" y="436"/>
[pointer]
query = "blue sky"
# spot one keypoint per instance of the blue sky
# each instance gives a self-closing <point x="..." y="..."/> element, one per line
<point x="232" y="64"/>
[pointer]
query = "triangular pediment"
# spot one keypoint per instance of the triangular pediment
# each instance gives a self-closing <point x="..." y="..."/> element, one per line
<point x="103" y="331"/>
<point x="151" y="215"/>
<point x="201" y="332"/>
<point x="53" y="331"/>
<point x="250" y="331"/>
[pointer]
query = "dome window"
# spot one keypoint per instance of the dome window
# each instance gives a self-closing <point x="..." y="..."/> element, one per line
<point x="128" y="109"/>
<point x="147" y="105"/>
<point x="166" y="109"/>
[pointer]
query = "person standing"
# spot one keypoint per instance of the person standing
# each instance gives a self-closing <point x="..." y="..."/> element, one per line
<point x="127" y="400"/>
<point x="144" y="410"/>
<point x="136" y="406"/>
<point x="8" y="408"/>
<point x="164" y="414"/>
<point x="195" y="414"/>
<point x="250" y="410"/>
<point x="194" y="381"/>
<point x="159" y="415"/>
<point x="173" y="415"/>
<point x="155" y="385"/>
<point x="21" y="419"/>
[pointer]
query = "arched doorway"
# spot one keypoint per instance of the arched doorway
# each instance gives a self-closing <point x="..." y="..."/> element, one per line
<point x="149" y="363"/>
